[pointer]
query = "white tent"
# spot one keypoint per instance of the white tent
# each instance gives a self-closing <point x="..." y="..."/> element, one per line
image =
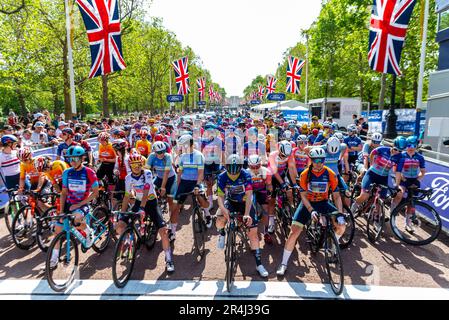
<point x="283" y="105"/>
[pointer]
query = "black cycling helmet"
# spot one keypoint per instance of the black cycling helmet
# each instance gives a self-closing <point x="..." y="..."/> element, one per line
<point x="234" y="164"/>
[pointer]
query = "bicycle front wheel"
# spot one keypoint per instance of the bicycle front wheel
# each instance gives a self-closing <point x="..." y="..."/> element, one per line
<point x="418" y="228"/>
<point x="346" y="239"/>
<point x="101" y="223"/>
<point x="375" y="223"/>
<point x="24" y="228"/>
<point x="334" y="265"/>
<point x="44" y="229"/>
<point x="230" y="259"/>
<point x="198" y="229"/>
<point x="10" y="212"/>
<point x="61" y="275"/>
<point x="124" y="257"/>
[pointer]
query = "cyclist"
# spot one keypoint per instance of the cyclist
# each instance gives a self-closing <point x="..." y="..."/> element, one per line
<point x="190" y="177"/>
<point x="213" y="149"/>
<point x="236" y="184"/>
<point x="282" y="165"/>
<point x="326" y="134"/>
<point x="143" y="145"/>
<point x="27" y="169"/>
<point x="52" y="171"/>
<point x="300" y="154"/>
<point x="79" y="188"/>
<point x="78" y="138"/>
<point x="9" y="162"/>
<point x="121" y="167"/>
<point x="162" y="163"/>
<point x="304" y="129"/>
<point x="106" y="158"/>
<point x="354" y="143"/>
<point x="140" y="182"/>
<point x="315" y="124"/>
<point x="382" y="160"/>
<point x="254" y="146"/>
<point x="363" y="163"/>
<point x="67" y="135"/>
<point x="262" y="189"/>
<point x="312" y="137"/>
<point x="315" y="183"/>
<point x="135" y="135"/>
<point x="409" y="172"/>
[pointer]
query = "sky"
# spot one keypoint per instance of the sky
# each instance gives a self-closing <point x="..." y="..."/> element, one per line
<point x="237" y="39"/>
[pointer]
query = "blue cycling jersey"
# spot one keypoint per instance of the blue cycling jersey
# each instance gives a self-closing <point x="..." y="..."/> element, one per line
<point x="332" y="159"/>
<point x="352" y="142"/>
<point x="161" y="165"/>
<point x="234" y="188"/>
<point x="383" y="161"/>
<point x="410" y="165"/>
<point x="190" y="163"/>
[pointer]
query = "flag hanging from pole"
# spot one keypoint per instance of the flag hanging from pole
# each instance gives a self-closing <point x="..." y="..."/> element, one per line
<point x="211" y="93"/>
<point x="387" y="31"/>
<point x="201" y="82"/>
<point x="294" y="70"/>
<point x="260" y="91"/>
<point x="271" y="84"/>
<point x="102" y="21"/>
<point x="181" y="69"/>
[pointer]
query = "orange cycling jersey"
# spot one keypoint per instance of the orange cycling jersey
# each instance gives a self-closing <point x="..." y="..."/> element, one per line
<point x="30" y="170"/>
<point x="106" y="152"/>
<point x="56" y="170"/>
<point x="144" y="147"/>
<point x="319" y="184"/>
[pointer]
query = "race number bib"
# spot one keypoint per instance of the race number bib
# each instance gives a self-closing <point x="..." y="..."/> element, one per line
<point x="318" y="187"/>
<point x="77" y="185"/>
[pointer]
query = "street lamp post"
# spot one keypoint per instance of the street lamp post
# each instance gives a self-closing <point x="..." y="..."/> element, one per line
<point x="327" y="83"/>
<point x="390" y="130"/>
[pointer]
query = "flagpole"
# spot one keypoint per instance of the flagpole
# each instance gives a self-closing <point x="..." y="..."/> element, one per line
<point x="421" y="68"/>
<point x="307" y="76"/>
<point x="70" y="58"/>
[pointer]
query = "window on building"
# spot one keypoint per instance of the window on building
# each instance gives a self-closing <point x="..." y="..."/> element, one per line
<point x="443" y="20"/>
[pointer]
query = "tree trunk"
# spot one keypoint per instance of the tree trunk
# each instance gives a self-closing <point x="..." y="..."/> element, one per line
<point x="415" y="91"/>
<point x="104" y="82"/>
<point x="361" y="63"/>
<point x="403" y="91"/>
<point x="21" y="99"/>
<point x="383" y="88"/>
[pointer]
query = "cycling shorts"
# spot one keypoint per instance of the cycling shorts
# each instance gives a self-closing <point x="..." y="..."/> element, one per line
<point x="151" y="209"/>
<point x="239" y="207"/>
<point x="185" y="186"/>
<point x="370" y="178"/>
<point x="302" y="215"/>
<point x="170" y="186"/>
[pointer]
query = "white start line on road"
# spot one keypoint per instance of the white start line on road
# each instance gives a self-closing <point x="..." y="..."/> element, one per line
<point x="209" y="290"/>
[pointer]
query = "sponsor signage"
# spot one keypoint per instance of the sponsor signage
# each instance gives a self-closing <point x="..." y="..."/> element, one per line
<point x="276" y="96"/>
<point x="255" y="102"/>
<point x="175" y="98"/>
<point x="201" y="103"/>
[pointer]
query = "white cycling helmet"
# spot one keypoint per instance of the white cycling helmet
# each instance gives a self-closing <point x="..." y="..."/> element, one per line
<point x="302" y="137"/>
<point x="254" y="160"/>
<point x="261" y="137"/>
<point x="352" y="128"/>
<point x="159" y="146"/>
<point x="287" y="135"/>
<point x="185" y="139"/>
<point x="317" y="152"/>
<point x="339" y="136"/>
<point x="285" y="148"/>
<point x="333" y="145"/>
<point x="376" y="137"/>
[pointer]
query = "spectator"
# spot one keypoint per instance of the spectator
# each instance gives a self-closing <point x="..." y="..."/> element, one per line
<point x="7" y="130"/>
<point x="39" y="137"/>
<point x="354" y="118"/>
<point x="363" y="128"/>
<point x="12" y="119"/>
<point x="26" y="139"/>
<point x="51" y="136"/>
<point x="61" y="126"/>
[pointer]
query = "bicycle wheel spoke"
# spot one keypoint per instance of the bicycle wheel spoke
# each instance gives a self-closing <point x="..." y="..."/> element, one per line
<point x="124" y="257"/>
<point x="333" y="263"/>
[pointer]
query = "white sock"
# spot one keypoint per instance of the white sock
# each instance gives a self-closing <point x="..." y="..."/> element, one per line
<point x="55" y="254"/>
<point x="173" y="227"/>
<point x="167" y="254"/>
<point x="270" y="220"/>
<point x="286" y="256"/>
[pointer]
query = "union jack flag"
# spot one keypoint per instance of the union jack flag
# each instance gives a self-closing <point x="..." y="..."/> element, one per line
<point x="211" y="93"/>
<point x="271" y="84"/>
<point x="260" y="91"/>
<point x="182" y="75"/>
<point x="294" y="70"/>
<point x="102" y="21"/>
<point x="201" y="82"/>
<point x="388" y="27"/>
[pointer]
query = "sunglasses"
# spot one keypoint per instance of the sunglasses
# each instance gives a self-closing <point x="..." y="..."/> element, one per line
<point x="318" y="160"/>
<point x="413" y="146"/>
<point x="74" y="159"/>
<point x="160" y="152"/>
<point x="255" y="167"/>
<point x="301" y="142"/>
<point x="135" y="164"/>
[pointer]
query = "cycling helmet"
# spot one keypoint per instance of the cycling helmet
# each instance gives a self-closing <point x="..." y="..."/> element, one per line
<point x="400" y="143"/>
<point x="42" y="163"/>
<point x="302" y="138"/>
<point x="159" y="137"/>
<point x="135" y="158"/>
<point x="234" y="164"/>
<point x="326" y="124"/>
<point x="103" y="136"/>
<point x="120" y="145"/>
<point x="261" y="137"/>
<point x="287" y="135"/>
<point x="304" y="126"/>
<point x="137" y="125"/>
<point x="159" y="146"/>
<point x="285" y="148"/>
<point x="339" y="136"/>
<point x="78" y="137"/>
<point x="316" y="153"/>
<point x="185" y="139"/>
<point x="352" y="128"/>
<point x="376" y="137"/>
<point x="68" y="131"/>
<point x="412" y="142"/>
<point x="315" y="132"/>
<point x="127" y="127"/>
<point x="254" y="161"/>
<point x="334" y="126"/>
<point x="24" y="154"/>
<point x="75" y="151"/>
<point x="333" y="145"/>
<point x="253" y="131"/>
<point x="143" y="134"/>
<point x="9" y="138"/>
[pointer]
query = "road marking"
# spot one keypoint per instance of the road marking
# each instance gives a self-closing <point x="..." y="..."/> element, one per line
<point x="206" y="290"/>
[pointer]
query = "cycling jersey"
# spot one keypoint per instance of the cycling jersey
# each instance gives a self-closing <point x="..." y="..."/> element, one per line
<point x="383" y="161"/>
<point x="233" y="145"/>
<point x="62" y="149"/>
<point x="322" y="138"/>
<point x="318" y="126"/>
<point x="235" y="188"/>
<point x="190" y="163"/>
<point x="410" y="166"/>
<point x="139" y="184"/>
<point x="161" y="165"/>
<point x="352" y="142"/>
<point x="85" y="145"/>
<point x="311" y="138"/>
<point x="212" y="150"/>
<point x="79" y="183"/>
<point x="250" y="148"/>
<point x="278" y="165"/>
<point x="301" y="159"/>
<point x="144" y="147"/>
<point x="9" y="163"/>
<point x="319" y="185"/>
<point x="27" y="168"/>
<point x="123" y="167"/>
<point x="106" y="152"/>
<point x="332" y="159"/>
<point x="366" y="151"/>
<point x="56" y="170"/>
<point x="260" y="179"/>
